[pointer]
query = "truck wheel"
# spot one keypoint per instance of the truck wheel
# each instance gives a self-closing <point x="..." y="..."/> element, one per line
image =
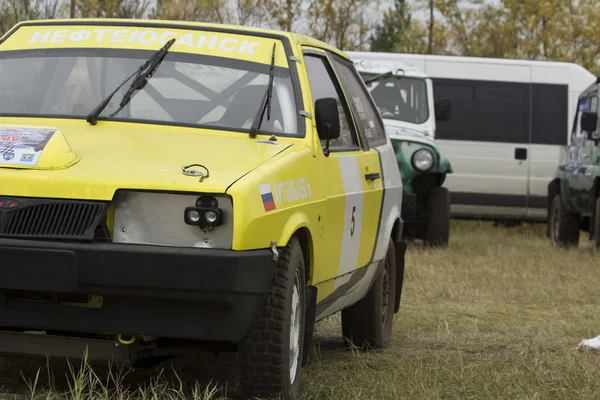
<point x="437" y="230"/>
<point x="564" y="225"/>
<point x="368" y="323"/>
<point x="270" y="355"/>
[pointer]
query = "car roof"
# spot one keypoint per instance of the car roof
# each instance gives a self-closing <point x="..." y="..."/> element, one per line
<point x="294" y="38"/>
<point x="379" y="63"/>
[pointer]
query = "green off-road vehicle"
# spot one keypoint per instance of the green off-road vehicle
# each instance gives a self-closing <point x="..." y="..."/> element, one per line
<point x="574" y="194"/>
<point x="404" y="96"/>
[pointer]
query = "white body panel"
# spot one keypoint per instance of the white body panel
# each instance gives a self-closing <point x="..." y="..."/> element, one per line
<point x="486" y="168"/>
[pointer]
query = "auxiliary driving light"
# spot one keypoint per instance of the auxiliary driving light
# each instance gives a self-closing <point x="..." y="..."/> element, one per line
<point x="193" y="216"/>
<point x="205" y="214"/>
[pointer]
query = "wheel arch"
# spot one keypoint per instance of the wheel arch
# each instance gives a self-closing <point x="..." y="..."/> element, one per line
<point x="298" y="226"/>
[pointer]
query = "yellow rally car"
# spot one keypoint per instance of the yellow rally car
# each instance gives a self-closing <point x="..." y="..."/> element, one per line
<point x="166" y="184"/>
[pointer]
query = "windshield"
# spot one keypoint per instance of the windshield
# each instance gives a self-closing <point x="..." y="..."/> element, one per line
<point x="400" y="98"/>
<point x="187" y="89"/>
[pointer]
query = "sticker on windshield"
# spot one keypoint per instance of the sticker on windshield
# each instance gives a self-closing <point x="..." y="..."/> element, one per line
<point x="23" y="146"/>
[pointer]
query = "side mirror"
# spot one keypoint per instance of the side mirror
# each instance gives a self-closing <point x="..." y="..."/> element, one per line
<point x="443" y="110"/>
<point x="589" y="123"/>
<point x="327" y="116"/>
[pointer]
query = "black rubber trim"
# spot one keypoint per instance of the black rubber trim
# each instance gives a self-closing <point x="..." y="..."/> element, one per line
<point x="498" y="200"/>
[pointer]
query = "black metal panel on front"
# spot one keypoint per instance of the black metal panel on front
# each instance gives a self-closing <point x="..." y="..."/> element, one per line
<point x="33" y="218"/>
<point x="187" y="293"/>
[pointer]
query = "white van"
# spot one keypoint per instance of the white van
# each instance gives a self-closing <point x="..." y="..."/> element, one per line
<point x="509" y="119"/>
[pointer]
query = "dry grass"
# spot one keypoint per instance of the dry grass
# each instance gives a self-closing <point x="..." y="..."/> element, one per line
<point x="497" y="315"/>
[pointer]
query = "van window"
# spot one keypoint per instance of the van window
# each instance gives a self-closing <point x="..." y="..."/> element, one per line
<point x="549" y="114"/>
<point x="484" y="110"/>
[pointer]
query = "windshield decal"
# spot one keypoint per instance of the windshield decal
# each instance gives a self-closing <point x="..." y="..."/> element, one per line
<point x="23" y="146"/>
<point x="143" y="37"/>
<point x="228" y="45"/>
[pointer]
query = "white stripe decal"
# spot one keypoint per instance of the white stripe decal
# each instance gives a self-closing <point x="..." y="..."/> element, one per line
<point x="353" y="212"/>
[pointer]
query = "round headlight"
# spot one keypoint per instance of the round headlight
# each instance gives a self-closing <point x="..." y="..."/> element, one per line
<point x="193" y="216"/>
<point x="422" y="160"/>
<point x="210" y="217"/>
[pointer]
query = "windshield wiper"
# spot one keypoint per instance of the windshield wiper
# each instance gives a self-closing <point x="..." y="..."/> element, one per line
<point x="266" y="101"/>
<point x="378" y="77"/>
<point x="142" y="74"/>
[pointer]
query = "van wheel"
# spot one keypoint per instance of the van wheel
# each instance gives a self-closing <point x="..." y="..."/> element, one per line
<point x="270" y="355"/>
<point x="368" y="323"/>
<point x="437" y="231"/>
<point x="564" y="225"/>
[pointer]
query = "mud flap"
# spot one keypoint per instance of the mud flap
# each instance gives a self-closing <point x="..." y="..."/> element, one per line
<point x="309" y="322"/>
<point x="400" y="254"/>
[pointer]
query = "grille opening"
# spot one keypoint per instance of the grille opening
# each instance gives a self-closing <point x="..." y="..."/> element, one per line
<point x="53" y="219"/>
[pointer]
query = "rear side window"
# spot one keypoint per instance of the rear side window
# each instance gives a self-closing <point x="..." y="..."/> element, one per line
<point x="368" y="120"/>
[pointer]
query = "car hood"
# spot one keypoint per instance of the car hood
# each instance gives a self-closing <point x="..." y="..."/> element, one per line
<point x="399" y="131"/>
<point x="77" y="160"/>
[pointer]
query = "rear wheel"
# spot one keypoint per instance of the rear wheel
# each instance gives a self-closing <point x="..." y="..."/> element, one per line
<point x="270" y="354"/>
<point x="368" y="323"/>
<point x="437" y="230"/>
<point x="564" y="225"/>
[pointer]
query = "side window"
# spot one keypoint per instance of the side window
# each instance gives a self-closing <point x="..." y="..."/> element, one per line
<point x="594" y="108"/>
<point x="479" y="110"/>
<point x="321" y="81"/>
<point x="577" y="136"/>
<point x="549" y="113"/>
<point x="365" y="112"/>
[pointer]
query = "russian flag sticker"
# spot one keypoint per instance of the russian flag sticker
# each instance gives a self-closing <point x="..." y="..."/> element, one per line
<point x="267" y="197"/>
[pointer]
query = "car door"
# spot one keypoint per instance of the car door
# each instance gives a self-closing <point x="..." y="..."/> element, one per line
<point x="371" y="135"/>
<point x="353" y="199"/>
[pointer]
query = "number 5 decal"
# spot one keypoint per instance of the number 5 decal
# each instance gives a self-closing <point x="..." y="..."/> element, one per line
<point x="353" y="214"/>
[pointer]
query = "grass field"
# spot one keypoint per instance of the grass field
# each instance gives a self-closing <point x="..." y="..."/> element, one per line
<point x="497" y="315"/>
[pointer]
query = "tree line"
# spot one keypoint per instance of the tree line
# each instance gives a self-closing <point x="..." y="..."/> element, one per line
<point x="563" y="30"/>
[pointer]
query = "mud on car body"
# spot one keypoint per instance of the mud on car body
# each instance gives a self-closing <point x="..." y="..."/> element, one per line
<point x="574" y="193"/>
<point x="194" y="184"/>
<point x="404" y="97"/>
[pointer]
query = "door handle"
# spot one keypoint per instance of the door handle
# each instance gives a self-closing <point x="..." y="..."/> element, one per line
<point x="520" y="153"/>
<point x="372" y="176"/>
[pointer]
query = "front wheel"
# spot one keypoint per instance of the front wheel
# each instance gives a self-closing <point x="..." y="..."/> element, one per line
<point x="368" y="323"/>
<point x="271" y="353"/>
<point x="437" y="230"/>
<point x="564" y="225"/>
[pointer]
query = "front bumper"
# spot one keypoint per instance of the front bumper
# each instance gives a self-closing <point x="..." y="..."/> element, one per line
<point x="188" y="293"/>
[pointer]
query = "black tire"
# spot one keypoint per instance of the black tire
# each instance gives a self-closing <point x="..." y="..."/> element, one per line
<point x="437" y="230"/>
<point x="368" y="323"/>
<point x="264" y="354"/>
<point x="564" y="225"/>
